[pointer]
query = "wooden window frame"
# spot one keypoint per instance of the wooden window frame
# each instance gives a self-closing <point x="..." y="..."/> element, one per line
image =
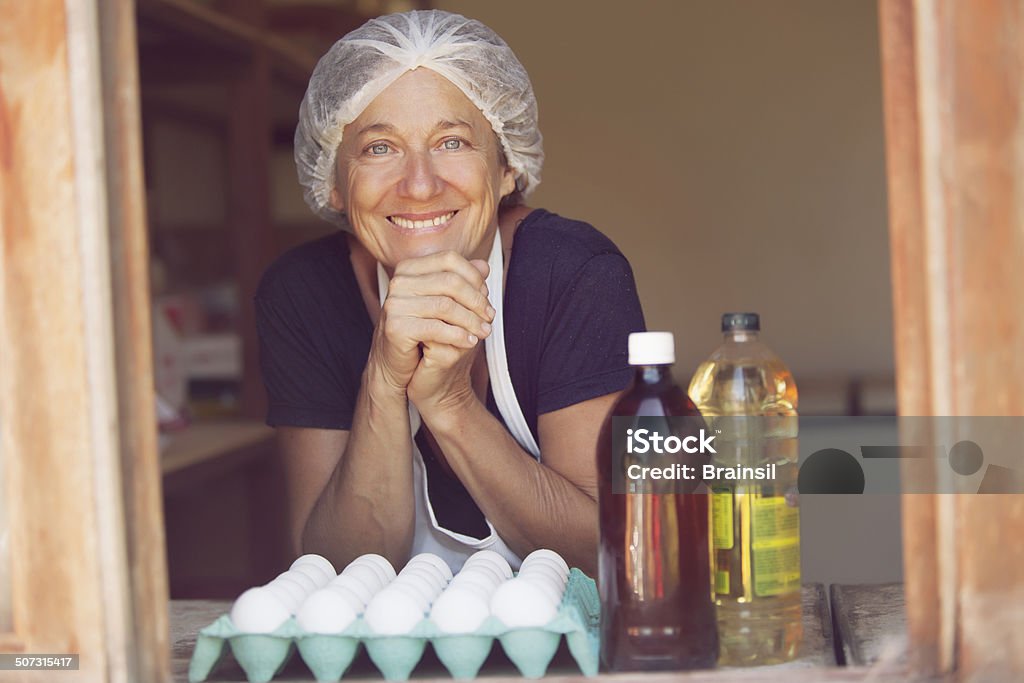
<point x="78" y="430"/>
<point x="952" y="91"/>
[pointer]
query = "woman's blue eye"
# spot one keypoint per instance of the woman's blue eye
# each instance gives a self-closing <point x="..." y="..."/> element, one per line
<point x="452" y="144"/>
<point x="379" y="148"/>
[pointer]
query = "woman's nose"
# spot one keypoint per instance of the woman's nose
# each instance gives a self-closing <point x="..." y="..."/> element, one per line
<point x="420" y="179"/>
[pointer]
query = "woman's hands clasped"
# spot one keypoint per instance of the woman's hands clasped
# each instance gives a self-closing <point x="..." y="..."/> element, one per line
<point x="431" y="324"/>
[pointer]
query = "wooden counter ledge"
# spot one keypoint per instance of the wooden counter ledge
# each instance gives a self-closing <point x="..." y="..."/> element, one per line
<point x="816" y="660"/>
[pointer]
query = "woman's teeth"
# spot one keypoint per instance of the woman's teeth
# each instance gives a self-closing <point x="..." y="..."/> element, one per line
<point x="419" y="225"/>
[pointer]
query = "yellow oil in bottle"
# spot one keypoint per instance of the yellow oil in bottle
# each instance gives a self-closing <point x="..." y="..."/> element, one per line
<point x="748" y="396"/>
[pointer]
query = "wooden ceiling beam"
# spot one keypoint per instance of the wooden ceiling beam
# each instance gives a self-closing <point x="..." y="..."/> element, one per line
<point x="177" y="63"/>
<point x="199" y="27"/>
<point x="319" y="19"/>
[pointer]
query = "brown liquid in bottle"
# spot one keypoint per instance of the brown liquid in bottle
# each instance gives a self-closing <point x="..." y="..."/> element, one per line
<point x="654" y="560"/>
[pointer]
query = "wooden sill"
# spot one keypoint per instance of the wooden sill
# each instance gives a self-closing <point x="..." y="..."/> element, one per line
<point x="213" y="447"/>
<point x="189" y="616"/>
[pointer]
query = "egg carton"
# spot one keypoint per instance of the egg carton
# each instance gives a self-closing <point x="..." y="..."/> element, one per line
<point x="262" y="656"/>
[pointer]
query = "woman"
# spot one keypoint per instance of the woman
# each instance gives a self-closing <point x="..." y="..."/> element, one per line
<point x="438" y="372"/>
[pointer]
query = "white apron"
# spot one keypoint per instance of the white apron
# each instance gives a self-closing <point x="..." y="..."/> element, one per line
<point x="429" y="536"/>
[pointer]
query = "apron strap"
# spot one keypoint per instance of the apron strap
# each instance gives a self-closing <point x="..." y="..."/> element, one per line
<point x="429" y="535"/>
<point x="497" y="358"/>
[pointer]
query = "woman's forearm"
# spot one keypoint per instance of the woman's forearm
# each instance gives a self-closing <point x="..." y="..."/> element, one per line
<point x="368" y="503"/>
<point x="530" y="505"/>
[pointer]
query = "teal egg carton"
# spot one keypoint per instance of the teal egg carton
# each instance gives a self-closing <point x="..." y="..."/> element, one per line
<point x="328" y="657"/>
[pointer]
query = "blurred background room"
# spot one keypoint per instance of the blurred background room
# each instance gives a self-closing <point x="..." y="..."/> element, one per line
<point x="733" y="150"/>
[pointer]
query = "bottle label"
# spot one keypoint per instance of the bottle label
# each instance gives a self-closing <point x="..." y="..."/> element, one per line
<point x="722" y="582"/>
<point x="721" y="517"/>
<point x="775" y="535"/>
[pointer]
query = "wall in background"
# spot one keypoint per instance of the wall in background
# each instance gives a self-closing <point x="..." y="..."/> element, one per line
<point x="734" y="151"/>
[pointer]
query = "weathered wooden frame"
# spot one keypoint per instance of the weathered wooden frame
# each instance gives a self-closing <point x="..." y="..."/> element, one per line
<point x="954" y="114"/>
<point x="78" y="431"/>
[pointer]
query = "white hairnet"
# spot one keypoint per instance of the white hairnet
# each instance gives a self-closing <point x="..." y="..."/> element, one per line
<point x="369" y="59"/>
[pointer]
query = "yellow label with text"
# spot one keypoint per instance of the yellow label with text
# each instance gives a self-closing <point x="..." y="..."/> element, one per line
<point x="721" y="519"/>
<point x="775" y="546"/>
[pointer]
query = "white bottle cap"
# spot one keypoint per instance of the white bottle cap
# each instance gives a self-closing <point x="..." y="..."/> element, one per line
<point x="652" y="348"/>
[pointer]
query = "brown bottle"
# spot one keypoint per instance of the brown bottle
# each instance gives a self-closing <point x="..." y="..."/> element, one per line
<point x="654" y="565"/>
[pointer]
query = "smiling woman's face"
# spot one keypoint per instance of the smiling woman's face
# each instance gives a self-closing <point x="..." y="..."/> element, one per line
<point x="419" y="171"/>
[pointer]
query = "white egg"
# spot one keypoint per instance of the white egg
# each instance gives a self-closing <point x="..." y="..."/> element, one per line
<point x="258" y="610"/>
<point x="318" y="560"/>
<point x="429" y="573"/>
<point x="551" y="587"/>
<point x="393" y="612"/>
<point x="354" y="585"/>
<point x="414" y="594"/>
<point x="547" y="563"/>
<point x="435" y="561"/>
<point x="326" y="611"/>
<point x="380" y="561"/>
<point x="459" y="610"/>
<point x="291" y="596"/>
<point x="484" y="590"/>
<point x="383" y="574"/>
<point x="542" y="567"/>
<point x="548" y="574"/>
<point x="420" y="584"/>
<point x="521" y="603"/>
<point x="357" y="604"/>
<point x="545" y="572"/>
<point x="367" y="574"/>
<point x="487" y="568"/>
<point x="493" y="559"/>
<point x="426" y="568"/>
<point x="319" y="576"/>
<point x="297" y="588"/>
<point x="308" y="584"/>
<point x="483" y="579"/>
<point x="549" y="554"/>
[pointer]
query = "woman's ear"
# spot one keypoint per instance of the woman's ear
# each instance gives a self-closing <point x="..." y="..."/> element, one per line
<point x="336" y="202"/>
<point x="508" y="182"/>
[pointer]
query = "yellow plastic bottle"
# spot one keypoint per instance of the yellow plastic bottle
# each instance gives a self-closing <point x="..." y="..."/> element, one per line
<point x="747" y="395"/>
